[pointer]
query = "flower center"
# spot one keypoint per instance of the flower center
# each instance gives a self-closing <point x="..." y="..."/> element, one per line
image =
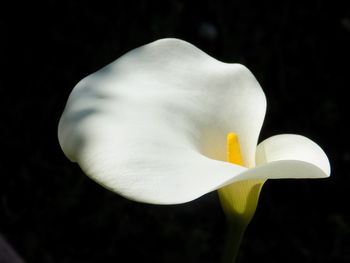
<point x="239" y="200"/>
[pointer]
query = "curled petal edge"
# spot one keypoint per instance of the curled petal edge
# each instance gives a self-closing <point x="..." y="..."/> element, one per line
<point x="217" y="173"/>
<point x="295" y="148"/>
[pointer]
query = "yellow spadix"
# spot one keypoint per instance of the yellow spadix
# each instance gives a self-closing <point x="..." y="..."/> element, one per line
<point x="239" y="200"/>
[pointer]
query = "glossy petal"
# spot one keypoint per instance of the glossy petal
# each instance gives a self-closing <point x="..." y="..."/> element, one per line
<point x="152" y="125"/>
<point x="291" y="156"/>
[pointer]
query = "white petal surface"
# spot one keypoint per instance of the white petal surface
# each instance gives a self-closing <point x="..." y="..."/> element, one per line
<point x="152" y="125"/>
<point x="291" y="156"/>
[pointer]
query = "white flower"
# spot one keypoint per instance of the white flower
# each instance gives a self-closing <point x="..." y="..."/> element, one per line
<point x="152" y="126"/>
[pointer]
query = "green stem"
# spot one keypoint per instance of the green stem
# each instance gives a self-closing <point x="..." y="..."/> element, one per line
<point x="234" y="235"/>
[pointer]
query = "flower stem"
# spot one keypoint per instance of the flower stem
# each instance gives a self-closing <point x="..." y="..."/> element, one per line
<point x="239" y="201"/>
<point x="234" y="235"/>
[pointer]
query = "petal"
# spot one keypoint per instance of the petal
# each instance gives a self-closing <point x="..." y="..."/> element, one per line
<point x="152" y="125"/>
<point x="290" y="156"/>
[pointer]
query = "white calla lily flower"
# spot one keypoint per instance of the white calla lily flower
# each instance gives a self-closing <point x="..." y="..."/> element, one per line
<point x="152" y="127"/>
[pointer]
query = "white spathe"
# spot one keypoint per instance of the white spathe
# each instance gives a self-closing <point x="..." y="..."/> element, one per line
<point x="152" y="126"/>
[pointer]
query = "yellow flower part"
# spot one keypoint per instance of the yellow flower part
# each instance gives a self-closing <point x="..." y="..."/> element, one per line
<point x="239" y="200"/>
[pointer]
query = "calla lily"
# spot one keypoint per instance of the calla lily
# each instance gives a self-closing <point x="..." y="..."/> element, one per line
<point x="152" y="127"/>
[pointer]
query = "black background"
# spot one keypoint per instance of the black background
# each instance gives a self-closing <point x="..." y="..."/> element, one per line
<point x="51" y="212"/>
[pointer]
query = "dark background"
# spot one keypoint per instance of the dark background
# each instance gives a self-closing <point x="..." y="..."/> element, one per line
<point x="51" y="212"/>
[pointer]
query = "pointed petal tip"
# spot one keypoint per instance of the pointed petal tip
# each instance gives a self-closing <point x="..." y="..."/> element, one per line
<point x="299" y="151"/>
